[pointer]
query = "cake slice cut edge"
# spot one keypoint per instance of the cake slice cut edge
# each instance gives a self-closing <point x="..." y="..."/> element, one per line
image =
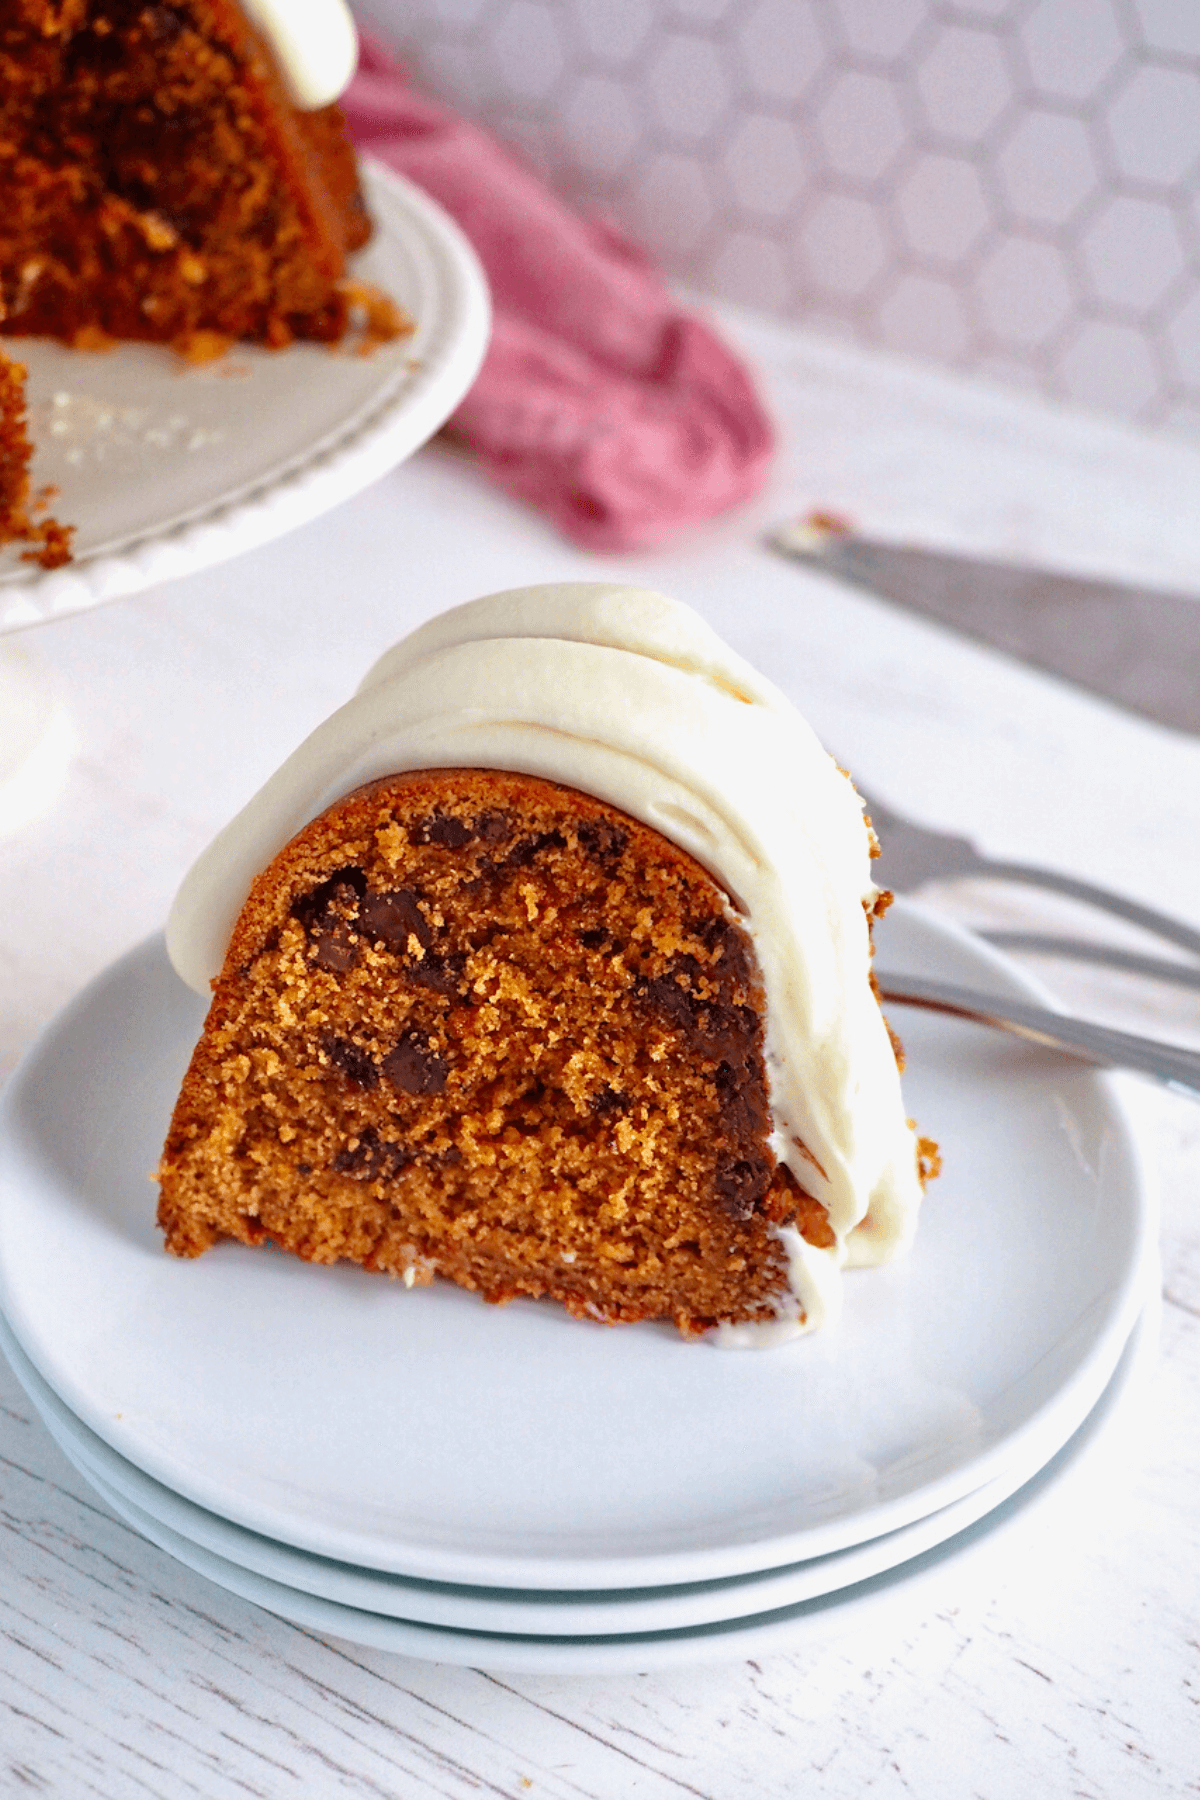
<point x="50" y="542"/>
<point x="483" y="1026"/>
<point x="612" y="699"/>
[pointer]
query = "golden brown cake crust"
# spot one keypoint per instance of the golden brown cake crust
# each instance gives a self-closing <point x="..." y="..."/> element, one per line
<point x="483" y="1025"/>
<point x="159" y="184"/>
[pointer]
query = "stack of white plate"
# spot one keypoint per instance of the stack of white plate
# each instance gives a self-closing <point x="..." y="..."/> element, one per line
<point x="512" y="1489"/>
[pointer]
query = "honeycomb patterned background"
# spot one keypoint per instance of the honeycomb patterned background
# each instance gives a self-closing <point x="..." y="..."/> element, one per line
<point x="1010" y="187"/>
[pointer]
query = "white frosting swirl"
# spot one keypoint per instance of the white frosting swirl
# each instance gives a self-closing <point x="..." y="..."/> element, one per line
<point x="631" y="697"/>
<point x="315" y="45"/>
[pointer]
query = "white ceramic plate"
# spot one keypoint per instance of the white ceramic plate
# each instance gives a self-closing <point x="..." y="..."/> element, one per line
<point x="164" y="468"/>
<point x="495" y="1609"/>
<point x="429" y="1435"/>
<point x="891" y="1598"/>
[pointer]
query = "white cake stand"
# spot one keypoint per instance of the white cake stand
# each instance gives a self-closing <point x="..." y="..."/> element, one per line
<point x="164" y="469"/>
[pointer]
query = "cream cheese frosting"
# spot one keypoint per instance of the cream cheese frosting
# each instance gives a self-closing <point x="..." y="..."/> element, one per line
<point x="631" y="697"/>
<point x="315" y="45"/>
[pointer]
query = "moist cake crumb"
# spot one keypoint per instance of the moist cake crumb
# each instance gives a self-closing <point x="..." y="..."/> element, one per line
<point x="484" y="1025"/>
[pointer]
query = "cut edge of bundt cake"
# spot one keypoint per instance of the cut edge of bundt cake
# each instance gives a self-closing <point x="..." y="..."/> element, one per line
<point x="616" y="699"/>
<point x="479" y="1025"/>
<point x="50" y="542"/>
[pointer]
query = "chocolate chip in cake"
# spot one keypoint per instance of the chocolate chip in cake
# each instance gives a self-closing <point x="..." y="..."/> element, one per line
<point x="163" y="24"/>
<point x="717" y="1033"/>
<point x="733" y="957"/>
<point x="415" y="1065"/>
<point x="741" y="1185"/>
<point x="394" y="917"/>
<point x="742" y="1098"/>
<point x="602" y="840"/>
<point x="444" y="829"/>
<point x="355" y="1063"/>
<point x="372" y="1158"/>
<point x="493" y="827"/>
<point x="593" y="940"/>
<point x="689" y="973"/>
<point x="664" y="994"/>
<point x="607" y="1100"/>
<point x="326" y="914"/>
<point x="444" y="974"/>
<point x="339" y="893"/>
<point x="522" y="854"/>
<point x="334" y="946"/>
<point x="729" y="1033"/>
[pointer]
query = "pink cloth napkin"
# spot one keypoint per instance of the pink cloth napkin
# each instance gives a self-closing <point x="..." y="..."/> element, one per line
<point x="599" y="400"/>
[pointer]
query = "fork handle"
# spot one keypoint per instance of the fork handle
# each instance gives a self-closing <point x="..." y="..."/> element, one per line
<point x="1155" y="968"/>
<point x="1178" y="1068"/>
<point x="1173" y="930"/>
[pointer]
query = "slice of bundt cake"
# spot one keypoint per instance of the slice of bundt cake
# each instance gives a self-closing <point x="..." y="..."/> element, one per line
<point x="483" y="1025"/>
<point x="170" y="172"/>
<point x="544" y="965"/>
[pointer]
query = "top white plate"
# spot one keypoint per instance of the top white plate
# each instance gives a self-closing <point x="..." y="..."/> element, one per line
<point x="164" y="468"/>
<point x="427" y="1433"/>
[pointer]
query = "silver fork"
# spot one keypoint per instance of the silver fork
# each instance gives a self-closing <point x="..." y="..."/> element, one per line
<point x="1178" y="1069"/>
<point x="914" y="853"/>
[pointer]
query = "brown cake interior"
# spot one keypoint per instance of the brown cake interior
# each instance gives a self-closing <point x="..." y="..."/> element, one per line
<point x="14" y="450"/>
<point x="484" y="1026"/>
<point x="52" y="541"/>
<point x="158" y="183"/>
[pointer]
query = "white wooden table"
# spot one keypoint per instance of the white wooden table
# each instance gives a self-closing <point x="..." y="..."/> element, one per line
<point x="1063" y="1661"/>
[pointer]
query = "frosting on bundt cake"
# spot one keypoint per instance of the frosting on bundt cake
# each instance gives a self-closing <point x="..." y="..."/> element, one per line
<point x="754" y="974"/>
<point x="315" y="45"/>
